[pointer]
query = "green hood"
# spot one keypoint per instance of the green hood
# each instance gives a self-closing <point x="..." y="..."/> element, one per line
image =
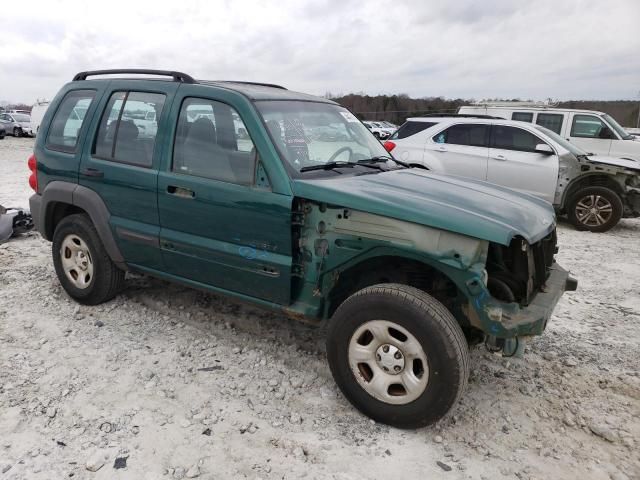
<point x="469" y="207"/>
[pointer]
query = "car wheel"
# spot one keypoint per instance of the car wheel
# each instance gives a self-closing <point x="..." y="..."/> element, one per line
<point x="81" y="262"/>
<point x="398" y="355"/>
<point x="377" y="135"/>
<point x="596" y="209"/>
<point x="17" y="132"/>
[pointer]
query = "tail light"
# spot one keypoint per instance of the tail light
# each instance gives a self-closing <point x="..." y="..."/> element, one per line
<point x="33" y="167"/>
<point x="388" y="145"/>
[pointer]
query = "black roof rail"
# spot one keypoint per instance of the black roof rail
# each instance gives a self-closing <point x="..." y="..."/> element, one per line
<point x="461" y="115"/>
<point x="177" y="76"/>
<point x="260" y="84"/>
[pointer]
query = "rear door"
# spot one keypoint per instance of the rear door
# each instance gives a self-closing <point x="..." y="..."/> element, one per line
<point x="590" y="133"/>
<point x="222" y="225"/>
<point x="461" y="149"/>
<point x="514" y="162"/>
<point x="120" y="163"/>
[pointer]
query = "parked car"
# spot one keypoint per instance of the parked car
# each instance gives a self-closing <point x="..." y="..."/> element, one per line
<point x="37" y="113"/>
<point x="593" y="191"/>
<point x="17" y="124"/>
<point x="2" y="133"/>
<point x="407" y="266"/>
<point x="594" y="132"/>
<point x="379" y="131"/>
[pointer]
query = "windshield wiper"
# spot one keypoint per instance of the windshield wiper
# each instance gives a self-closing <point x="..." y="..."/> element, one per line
<point x="328" y="166"/>
<point x="383" y="158"/>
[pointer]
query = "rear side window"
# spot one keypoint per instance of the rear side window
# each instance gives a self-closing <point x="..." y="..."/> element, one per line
<point x="128" y="128"/>
<point x="464" y="134"/>
<point x="522" y="116"/>
<point x="552" y="121"/>
<point x="212" y="142"/>
<point x="68" y="119"/>
<point x="512" y="138"/>
<point x="411" y="128"/>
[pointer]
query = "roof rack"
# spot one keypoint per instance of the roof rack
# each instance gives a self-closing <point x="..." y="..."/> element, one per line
<point x="177" y="76"/>
<point x="260" y="84"/>
<point x="540" y="104"/>
<point x="459" y="115"/>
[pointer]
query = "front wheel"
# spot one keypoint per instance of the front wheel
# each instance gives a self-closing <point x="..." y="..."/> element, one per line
<point x="17" y="132"/>
<point x="596" y="209"/>
<point x="398" y="355"/>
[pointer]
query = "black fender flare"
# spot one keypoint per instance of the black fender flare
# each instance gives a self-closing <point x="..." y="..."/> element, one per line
<point x="85" y="199"/>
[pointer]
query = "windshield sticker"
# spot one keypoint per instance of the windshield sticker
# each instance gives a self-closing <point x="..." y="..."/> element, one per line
<point x="349" y="117"/>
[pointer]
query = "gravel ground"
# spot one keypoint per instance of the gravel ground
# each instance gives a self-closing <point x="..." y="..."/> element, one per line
<point x="166" y="382"/>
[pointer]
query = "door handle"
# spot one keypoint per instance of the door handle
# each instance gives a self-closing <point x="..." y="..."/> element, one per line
<point x="180" y="192"/>
<point x="92" y="172"/>
<point x="441" y="149"/>
<point x="502" y="158"/>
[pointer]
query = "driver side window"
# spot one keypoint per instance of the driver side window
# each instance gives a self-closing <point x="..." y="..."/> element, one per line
<point x="587" y="126"/>
<point x="213" y="142"/>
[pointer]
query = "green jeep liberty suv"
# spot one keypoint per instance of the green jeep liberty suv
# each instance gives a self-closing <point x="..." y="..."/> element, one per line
<point x="237" y="188"/>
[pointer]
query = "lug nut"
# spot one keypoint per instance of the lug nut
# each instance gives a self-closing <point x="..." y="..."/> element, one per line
<point x="397" y="368"/>
<point x="397" y="355"/>
<point x="385" y="349"/>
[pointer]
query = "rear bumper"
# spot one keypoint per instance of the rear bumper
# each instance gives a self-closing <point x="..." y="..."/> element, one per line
<point x="35" y="206"/>
<point x="507" y="320"/>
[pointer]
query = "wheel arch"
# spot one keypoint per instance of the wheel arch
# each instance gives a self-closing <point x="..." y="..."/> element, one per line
<point x="591" y="180"/>
<point x="394" y="267"/>
<point x="61" y="199"/>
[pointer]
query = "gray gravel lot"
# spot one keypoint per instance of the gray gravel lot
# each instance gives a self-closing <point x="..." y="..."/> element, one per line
<point x="169" y="382"/>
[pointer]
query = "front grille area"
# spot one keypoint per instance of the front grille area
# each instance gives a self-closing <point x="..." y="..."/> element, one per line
<point x="518" y="272"/>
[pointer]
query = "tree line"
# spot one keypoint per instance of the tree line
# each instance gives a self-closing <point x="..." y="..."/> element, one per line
<point x="397" y="108"/>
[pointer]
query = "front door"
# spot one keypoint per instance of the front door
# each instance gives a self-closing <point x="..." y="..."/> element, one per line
<point x="514" y="162"/>
<point x="221" y="224"/>
<point x="121" y="163"/>
<point x="462" y="150"/>
<point x="590" y="134"/>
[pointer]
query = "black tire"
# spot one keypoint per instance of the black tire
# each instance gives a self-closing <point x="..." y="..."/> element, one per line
<point x="377" y="135"/>
<point x="586" y="195"/>
<point x="435" y="329"/>
<point x="107" y="279"/>
<point x="17" y="132"/>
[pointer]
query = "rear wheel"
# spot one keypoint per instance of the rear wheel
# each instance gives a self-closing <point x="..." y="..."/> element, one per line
<point x="596" y="209"/>
<point x="398" y="355"/>
<point x="82" y="264"/>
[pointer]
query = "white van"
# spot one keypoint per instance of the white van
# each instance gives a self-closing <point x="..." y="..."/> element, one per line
<point x="37" y="113"/>
<point x="594" y="132"/>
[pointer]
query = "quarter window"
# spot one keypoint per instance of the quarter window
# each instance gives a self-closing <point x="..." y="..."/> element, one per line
<point x="128" y="128"/>
<point x="552" y="121"/>
<point x="212" y="142"/>
<point x="587" y="126"/>
<point x="66" y="124"/>
<point x="411" y="128"/>
<point x="464" y="134"/>
<point x="522" y="116"/>
<point x="511" y="138"/>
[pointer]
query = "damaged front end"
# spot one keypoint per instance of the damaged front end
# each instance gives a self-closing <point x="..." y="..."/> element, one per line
<point x="525" y="284"/>
<point x="14" y="221"/>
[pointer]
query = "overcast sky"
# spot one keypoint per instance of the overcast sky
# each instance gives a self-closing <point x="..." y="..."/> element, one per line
<point x="569" y="49"/>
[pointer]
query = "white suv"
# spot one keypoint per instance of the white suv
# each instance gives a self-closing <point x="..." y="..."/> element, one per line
<point x="592" y="131"/>
<point x="594" y="191"/>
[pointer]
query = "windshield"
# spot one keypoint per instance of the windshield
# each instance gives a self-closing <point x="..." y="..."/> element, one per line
<point x="19" y="117"/>
<point x="310" y="134"/>
<point x="616" y="126"/>
<point x="563" y="143"/>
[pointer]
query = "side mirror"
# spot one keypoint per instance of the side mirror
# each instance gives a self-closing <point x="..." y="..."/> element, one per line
<point x="606" y="133"/>
<point x="544" y="149"/>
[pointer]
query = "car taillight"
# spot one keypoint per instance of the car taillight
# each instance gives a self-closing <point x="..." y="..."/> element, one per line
<point x="388" y="145"/>
<point x="33" y="178"/>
